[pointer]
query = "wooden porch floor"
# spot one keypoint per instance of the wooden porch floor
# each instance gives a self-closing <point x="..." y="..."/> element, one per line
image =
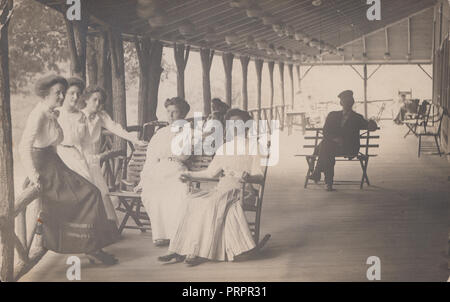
<point x="403" y="218"/>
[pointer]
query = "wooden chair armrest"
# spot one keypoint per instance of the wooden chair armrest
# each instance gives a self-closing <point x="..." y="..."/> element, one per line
<point x="204" y="179"/>
<point x="128" y="183"/>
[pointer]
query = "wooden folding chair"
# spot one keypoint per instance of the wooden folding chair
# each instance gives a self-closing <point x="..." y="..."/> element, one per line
<point x="418" y="120"/>
<point x="130" y="203"/>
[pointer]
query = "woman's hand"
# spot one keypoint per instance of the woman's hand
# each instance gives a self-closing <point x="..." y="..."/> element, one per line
<point x="245" y="176"/>
<point x="185" y="177"/>
<point x="141" y="143"/>
<point x="137" y="189"/>
<point x="34" y="180"/>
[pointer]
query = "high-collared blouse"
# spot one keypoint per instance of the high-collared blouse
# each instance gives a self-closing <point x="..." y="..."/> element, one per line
<point x="95" y="123"/>
<point x="41" y="130"/>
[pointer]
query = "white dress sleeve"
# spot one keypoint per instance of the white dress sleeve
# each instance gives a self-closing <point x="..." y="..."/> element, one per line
<point x="257" y="165"/>
<point x="30" y="133"/>
<point x="114" y="127"/>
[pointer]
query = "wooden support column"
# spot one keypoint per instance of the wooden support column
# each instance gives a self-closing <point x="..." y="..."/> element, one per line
<point x="99" y="66"/>
<point x="227" y="59"/>
<point x="118" y="85"/>
<point x="291" y="79"/>
<point x="149" y="56"/>
<point x="6" y="156"/>
<point x="244" y="62"/>
<point x="365" y="91"/>
<point x="271" y="65"/>
<point x="259" y="65"/>
<point x="206" y="55"/>
<point x="283" y="100"/>
<point x="77" y="37"/>
<point x="181" y="54"/>
<point x="299" y="78"/>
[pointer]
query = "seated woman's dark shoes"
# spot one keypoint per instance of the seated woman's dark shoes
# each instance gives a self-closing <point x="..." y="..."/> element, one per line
<point x="170" y="257"/>
<point x="102" y="257"/>
<point x="194" y="261"/>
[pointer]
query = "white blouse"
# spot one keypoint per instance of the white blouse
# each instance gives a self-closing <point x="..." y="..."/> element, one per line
<point x="95" y="123"/>
<point x="74" y="127"/>
<point x="41" y="130"/>
<point x="233" y="166"/>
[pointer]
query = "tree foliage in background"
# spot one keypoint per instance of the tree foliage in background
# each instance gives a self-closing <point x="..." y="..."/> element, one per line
<point x="38" y="44"/>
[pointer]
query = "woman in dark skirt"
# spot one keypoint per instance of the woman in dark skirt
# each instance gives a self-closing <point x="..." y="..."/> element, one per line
<point x="72" y="215"/>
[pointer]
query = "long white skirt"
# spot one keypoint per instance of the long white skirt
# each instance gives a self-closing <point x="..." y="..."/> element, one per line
<point x="164" y="197"/>
<point x="99" y="181"/>
<point x="75" y="160"/>
<point x="214" y="226"/>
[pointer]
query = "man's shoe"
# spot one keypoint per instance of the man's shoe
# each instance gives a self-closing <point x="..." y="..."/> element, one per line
<point x="315" y="176"/>
<point x="330" y="188"/>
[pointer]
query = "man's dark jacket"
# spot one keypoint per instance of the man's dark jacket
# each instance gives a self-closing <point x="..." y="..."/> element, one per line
<point x="349" y="131"/>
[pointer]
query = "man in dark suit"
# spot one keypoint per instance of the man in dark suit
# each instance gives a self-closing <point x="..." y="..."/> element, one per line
<point x="341" y="137"/>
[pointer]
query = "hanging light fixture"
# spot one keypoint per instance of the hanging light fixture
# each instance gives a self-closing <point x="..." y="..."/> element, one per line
<point x="251" y="44"/>
<point x="159" y="19"/>
<point x="231" y="38"/>
<point x="240" y="3"/>
<point x="187" y="28"/>
<point x="262" y="44"/>
<point x="254" y="12"/>
<point x="268" y="19"/>
<point x="211" y="35"/>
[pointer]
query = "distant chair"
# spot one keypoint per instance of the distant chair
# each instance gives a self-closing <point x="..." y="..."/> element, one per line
<point x="418" y="120"/>
<point x="433" y="131"/>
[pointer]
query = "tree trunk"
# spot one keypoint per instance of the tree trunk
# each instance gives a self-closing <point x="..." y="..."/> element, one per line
<point x="99" y="66"/>
<point x="283" y="100"/>
<point x="291" y="80"/>
<point x="77" y="38"/>
<point x="271" y="67"/>
<point x="181" y="54"/>
<point x="244" y="62"/>
<point x="227" y="59"/>
<point x="299" y="78"/>
<point x="259" y="65"/>
<point x="207" y="55"/>
<point x="6" y="156"/>
<point x="118" y="85"/>
<point x="155" y="79"/>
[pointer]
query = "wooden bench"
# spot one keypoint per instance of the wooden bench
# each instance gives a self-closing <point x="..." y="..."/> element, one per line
<point x="362" y="157"/>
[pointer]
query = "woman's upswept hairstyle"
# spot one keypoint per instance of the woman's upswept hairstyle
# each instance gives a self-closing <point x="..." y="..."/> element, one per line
<point x="76" y="82"/>
<point x="44" y="84"/>
<point x="90" y="90"/>
<point x="244" y="115"/>
<point x="221" y="106"/>
<point x="180" y="103"/>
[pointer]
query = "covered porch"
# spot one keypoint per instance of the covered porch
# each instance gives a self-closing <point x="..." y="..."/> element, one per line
<point x="316" y="235"/>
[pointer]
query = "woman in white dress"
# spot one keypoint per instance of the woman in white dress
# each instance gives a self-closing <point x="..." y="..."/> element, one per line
<point x="93" y="100"/>
<point x="163" y="193"/>
<point x="214" y="226"/>
<point x="73" y="124"/>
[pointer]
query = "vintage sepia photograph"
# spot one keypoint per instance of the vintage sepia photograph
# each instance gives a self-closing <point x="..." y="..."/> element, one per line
<point x="224" y="141"/>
